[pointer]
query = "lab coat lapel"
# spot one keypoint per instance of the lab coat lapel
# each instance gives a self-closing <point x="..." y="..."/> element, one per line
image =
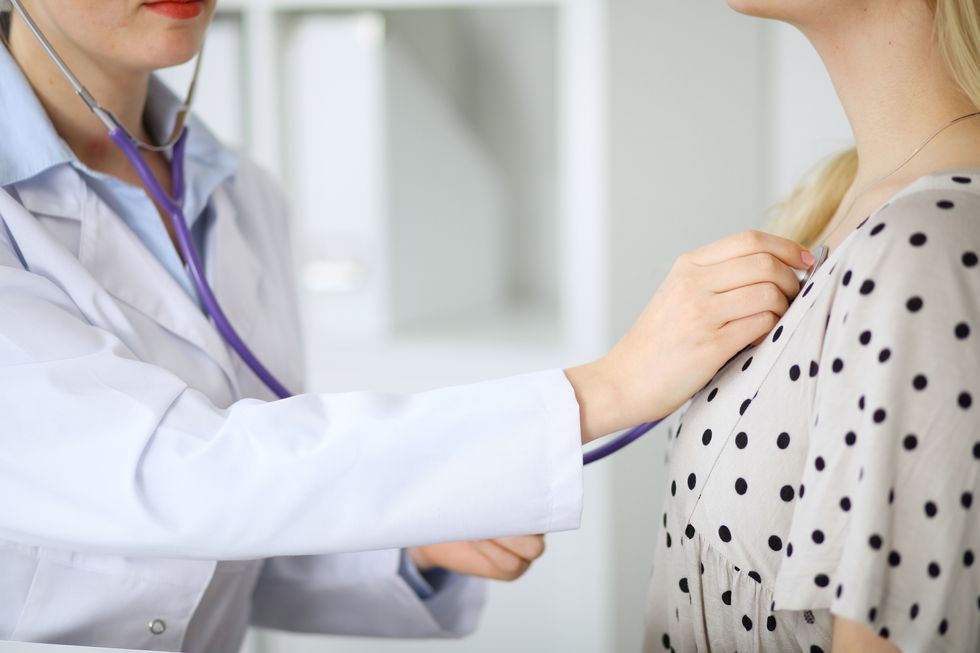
<point x="233" y="269"/>
<point x="128" y="271"/>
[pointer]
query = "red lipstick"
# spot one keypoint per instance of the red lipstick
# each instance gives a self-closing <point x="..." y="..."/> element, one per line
<point x="177" y="9"/>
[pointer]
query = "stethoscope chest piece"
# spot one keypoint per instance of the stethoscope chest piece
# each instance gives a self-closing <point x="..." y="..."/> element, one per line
<point x="820" y="253"/>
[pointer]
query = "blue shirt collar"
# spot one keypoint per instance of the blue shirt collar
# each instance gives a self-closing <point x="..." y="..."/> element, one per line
<point x="30" y="145"/>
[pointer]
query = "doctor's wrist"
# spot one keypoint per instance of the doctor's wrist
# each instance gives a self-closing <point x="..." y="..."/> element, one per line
<point x="600" y="400"/>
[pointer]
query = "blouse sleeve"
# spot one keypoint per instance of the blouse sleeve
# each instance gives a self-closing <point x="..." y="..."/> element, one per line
<point x="885" y="532"/>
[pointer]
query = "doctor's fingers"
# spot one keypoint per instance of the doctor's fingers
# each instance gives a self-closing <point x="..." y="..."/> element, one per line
<point x="739" y="334"/>
<point x="749" y="270"/>
<point x="503" y="564"/>
<point x="528" y="547"/>
<point x="743" y="302"/>
<point x="747" y="243"/>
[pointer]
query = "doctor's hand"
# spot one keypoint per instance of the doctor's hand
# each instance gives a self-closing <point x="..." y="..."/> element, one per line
<point x="506" y="558"/>
<point x="716" y="300"/>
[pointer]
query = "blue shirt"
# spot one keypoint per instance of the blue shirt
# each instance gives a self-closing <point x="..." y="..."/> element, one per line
<point x="31" y="147"/>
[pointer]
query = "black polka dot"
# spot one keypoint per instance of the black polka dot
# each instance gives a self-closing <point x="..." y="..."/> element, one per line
<point x="794" y="373"/>
<point x="668" y="540"/>
<point x="746" y="622"/>
<point x="976" y="450"/>
<point x="962" y="331"/>
<point x="712" y="395"/>
<point x="845" y="504"/>
<point x="943" y="627"/>
<point x="754" y="575"/>
<point x="839" y="591"/>
<point x="683" y="585"/>
<point x="689" y="531"/>
<point x="969" y="259"/>
<point x="789" y="549"/>
<point x="778" y="332"/>
<point x="819" y="463"/>
<point x="846" y="279"/>
<point x="873" y="614"/>
<point x="914" y="611"/>
<point x="945" y="204"/>
<point x="894" y="558"/>
<point x="883" y="633"/>
<point x="726" y="597"/>
<point x="782" y="440"/>
<point x="725" y="534"/>
<point x="861" y="402"/>
<point x="964" y="400"/>
<point x="850" y="438"/>
<point x="914" y="304"/>
<point x="884" y="355"/>
<point x="815" y="649"/>
<point x="931" y="509"/>
<point x="744" y="407"/>
<point x="692" y="480"/>
<point x="867" y="287"/>
<point x="806" y="291"/>
<point x="821" y="580"/>
<point x="879" y="416"/>
<point x="802" y="487"/>
<point x="746" y="364"/>
<point x="910" y="442"/>
<point x="817" y="536"/>
<point x="917" y="239"/>
<point x="741" y="440"/>
<point x="962" y="180"/>
<point x="770" y="623"/>
<point x="920" y="382"/>
<point x="865" y="337"/>
<point x="666" y="640"/>
<point x="837" y="366"/>
<point x="775" y="543"/>
<point x="968" y="558"/>
<point x="741" y="486"/>
<point x="966" y="500"/>
<point x="787" y="493"/>
<point x="934" y="570"/>
<point x="706" y="437"/>
<point x="877" y="229"/>
<point x="875" y="541"/>
<point x="673" y="488"/>
<point x="814" y="369"/>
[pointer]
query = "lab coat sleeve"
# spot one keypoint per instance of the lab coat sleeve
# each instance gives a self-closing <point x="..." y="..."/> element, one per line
<point x="102" y="452"/>
<point x="361" y="594"/>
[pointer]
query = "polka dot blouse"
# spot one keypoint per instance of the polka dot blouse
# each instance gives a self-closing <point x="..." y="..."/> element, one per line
<point x="833" y="469"/>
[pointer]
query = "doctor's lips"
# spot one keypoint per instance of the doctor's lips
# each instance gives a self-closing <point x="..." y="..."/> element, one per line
<point x="178" y="9"/>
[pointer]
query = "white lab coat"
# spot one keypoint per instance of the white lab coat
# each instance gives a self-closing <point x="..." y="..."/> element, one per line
<point x="136" y="450"/>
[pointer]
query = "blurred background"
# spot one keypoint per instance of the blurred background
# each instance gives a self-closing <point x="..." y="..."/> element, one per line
<point x="487" y="187"/>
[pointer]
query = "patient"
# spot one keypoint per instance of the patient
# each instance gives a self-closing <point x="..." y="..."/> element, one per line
<point x="821" y="486"/>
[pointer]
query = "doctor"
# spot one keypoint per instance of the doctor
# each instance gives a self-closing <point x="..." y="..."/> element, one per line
<point x="155" y="496"/>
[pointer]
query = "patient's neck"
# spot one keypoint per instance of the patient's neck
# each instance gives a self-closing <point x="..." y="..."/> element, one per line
<point x="892" y="79"/>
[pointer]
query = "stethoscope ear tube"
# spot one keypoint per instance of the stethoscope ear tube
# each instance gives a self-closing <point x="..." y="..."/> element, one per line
<point x="619" y="442"/>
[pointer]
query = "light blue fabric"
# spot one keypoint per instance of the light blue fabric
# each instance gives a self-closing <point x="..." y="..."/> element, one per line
<point x="30" y="146"/>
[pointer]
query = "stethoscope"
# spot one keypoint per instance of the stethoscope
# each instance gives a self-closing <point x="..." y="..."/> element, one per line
<point x="173" y="206"/>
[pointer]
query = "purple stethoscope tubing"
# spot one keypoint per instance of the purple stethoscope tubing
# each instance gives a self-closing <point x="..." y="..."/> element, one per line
<point x="173" y="205"/>
<point x="175" y="213"/>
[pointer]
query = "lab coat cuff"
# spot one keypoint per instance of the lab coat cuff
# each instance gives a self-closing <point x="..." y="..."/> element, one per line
<point x="564" y="457"/>
<point x="424" y="584"/>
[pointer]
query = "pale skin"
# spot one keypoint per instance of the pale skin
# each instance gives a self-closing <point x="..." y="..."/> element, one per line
<point x="891" y="78"/>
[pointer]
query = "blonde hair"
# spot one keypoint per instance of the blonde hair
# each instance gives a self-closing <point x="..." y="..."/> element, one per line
<point x="803" y="215"/>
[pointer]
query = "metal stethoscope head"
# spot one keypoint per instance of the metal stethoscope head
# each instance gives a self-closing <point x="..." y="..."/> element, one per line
<point x="108" y="119"/>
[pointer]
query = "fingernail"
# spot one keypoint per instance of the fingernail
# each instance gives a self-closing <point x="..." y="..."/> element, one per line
<point x="808" y="259"/>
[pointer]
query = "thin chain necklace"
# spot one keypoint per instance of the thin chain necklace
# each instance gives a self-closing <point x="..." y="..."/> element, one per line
<point x="822" y="251"/>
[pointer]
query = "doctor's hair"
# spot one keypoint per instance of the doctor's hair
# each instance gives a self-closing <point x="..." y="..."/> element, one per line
<point x="805" y="213"/>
